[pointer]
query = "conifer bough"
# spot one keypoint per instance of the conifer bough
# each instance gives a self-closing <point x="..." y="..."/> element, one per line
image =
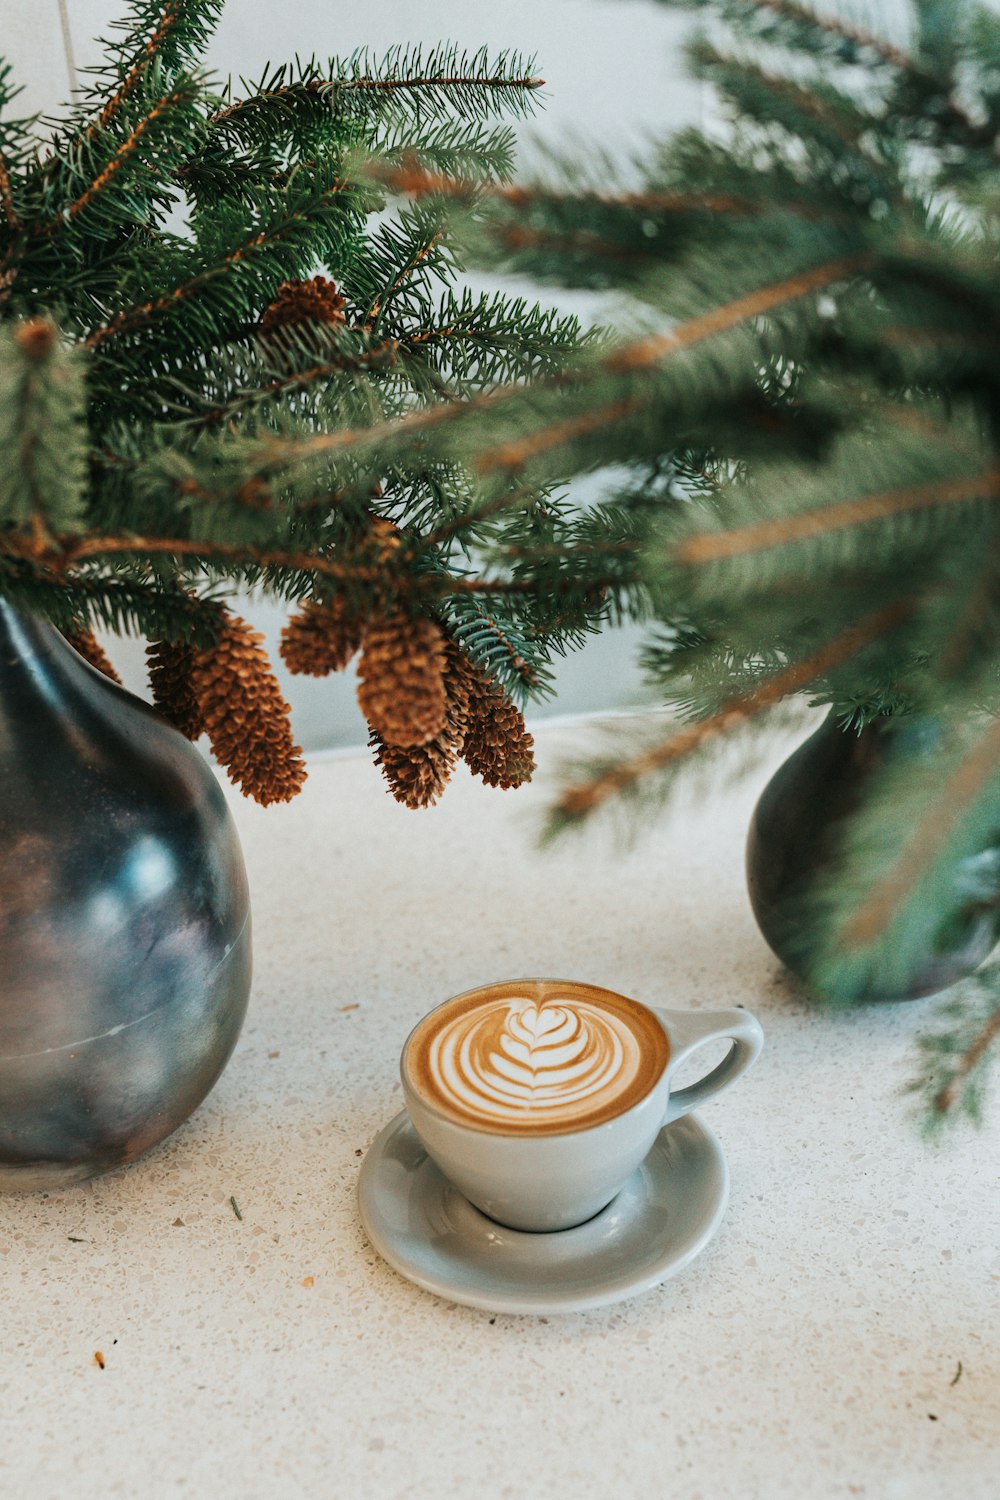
<point x="222" y="337"/>
<point x="807" y="412"/>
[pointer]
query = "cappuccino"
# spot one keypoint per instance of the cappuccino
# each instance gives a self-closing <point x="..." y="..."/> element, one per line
<point x="536" y="1057"/>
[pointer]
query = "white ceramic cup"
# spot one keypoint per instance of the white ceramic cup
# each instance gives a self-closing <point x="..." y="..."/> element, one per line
<point x="545" y="1182"/>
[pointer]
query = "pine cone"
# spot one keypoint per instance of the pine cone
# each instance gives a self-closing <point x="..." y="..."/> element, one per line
<point x="83" y="640"/>
<point x="496" y="744"/>
<point x="304" y="302"/>
<point x="417" y="774"/>
<point x="170" y="664"/>
<point x="321" y="638"/>
<point x="402" y="690"/>
<point x="245" y="716"/>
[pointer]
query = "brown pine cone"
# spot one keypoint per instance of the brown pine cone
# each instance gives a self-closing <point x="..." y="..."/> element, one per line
<point x="402" y="689"/>
<point x="496" y="744"/>
<point x="83" y="639"/>
<point x="320" y="639"/>
<point x="464" y="683"/>
<point x="417" y="774"/>
<point x="245" y="716"/>
<point x="169" y="664"/>
<point x="304" y="302"/>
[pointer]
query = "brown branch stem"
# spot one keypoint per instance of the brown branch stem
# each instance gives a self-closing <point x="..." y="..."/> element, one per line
<point x="169" y="17"/>
<point x="376" y="85"/>
<point x="578" y="801"/>
<point x="646" y="352"/>
<point x="969" y="1060"/>
<point x="67" y="552"/>
<point x="859" y="36"/>
<point x="411" y="178"/>
<point x="709" y="547"/>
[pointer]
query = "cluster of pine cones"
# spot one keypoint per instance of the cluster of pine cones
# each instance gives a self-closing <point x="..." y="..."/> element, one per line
<point x="427" y="704"/>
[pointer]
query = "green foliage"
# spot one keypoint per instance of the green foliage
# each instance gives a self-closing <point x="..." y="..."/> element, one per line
<point x="42" y="432"/>
<point x="805" y="407"/>
<point x="954" y="1075"/>
<point x="155" y="230"/>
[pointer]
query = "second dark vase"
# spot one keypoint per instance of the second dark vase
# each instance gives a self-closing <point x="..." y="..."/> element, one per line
<point x="793" y="838"/>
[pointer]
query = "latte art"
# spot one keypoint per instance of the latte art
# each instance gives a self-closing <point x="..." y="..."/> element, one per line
<point x="547" y="1058"/>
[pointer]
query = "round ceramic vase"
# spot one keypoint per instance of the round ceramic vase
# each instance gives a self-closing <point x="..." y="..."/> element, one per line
<point x="124" y="918"/>
<point x="794" y="837"/>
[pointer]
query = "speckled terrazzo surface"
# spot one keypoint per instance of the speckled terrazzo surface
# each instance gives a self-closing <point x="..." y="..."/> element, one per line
<point x="810" y="1353"/>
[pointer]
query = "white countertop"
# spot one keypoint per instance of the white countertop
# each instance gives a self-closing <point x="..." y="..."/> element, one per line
<point x="811" y="1352"/>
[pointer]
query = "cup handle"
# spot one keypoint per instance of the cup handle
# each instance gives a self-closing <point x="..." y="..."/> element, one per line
<point x="688" y="1030"/>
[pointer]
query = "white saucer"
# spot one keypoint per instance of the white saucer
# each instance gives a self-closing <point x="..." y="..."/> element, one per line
<point x="663" y="1217"/>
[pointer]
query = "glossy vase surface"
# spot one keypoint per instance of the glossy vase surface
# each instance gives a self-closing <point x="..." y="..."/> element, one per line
<point x="793" y="840"/>
<point x="124" y="918"/>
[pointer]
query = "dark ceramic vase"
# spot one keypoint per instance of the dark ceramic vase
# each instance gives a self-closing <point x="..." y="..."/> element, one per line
<point x="124" y="918"/>
<point x="793" y="838"/>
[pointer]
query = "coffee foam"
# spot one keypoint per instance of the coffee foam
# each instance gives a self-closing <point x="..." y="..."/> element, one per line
<point x="536" y="1057"/>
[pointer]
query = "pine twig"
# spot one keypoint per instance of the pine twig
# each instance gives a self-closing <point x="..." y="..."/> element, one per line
<point x="641" y="354"/>
<point x="580" y="800"/>
<point x="415" y="181"/>
<point x="644" y="353"/>
<point x="946" y="1097"/>
<point x="375" y="86"/>
<point x="72" y="550"/>
<point x="401" y="278"/>
<point x="835" y="26"/>
<point x="169" y="17"/>
<point x="124" y="153"/>
<point x="137" y="316"/>
<point x="379" y="357"/>
<point x="712" y="546"/>
<point x="865" y="40"/>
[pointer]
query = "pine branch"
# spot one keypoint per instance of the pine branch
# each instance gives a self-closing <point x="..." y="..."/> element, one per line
<point x="162" y="114"/>
<point x="165" y="34"/>
<point x="858" y="37"/>
<point x="378" y="356"/>
<point x="278" y="247"/>
<point x="65" y="553"/>
<point x="416" y="181"/>
<point x="169" y="19"/>
<point x="644" y="353"/>
<point x="709" y="547"/>
<point x="337" y="89"/>
<point x="453" y="149"/>
<point x="446" y="78"/>
<point x="814" y="111"/>
<point x="972" y="1059"/>
<point x="636" y="357"/>
<point x="578" y="802"/>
